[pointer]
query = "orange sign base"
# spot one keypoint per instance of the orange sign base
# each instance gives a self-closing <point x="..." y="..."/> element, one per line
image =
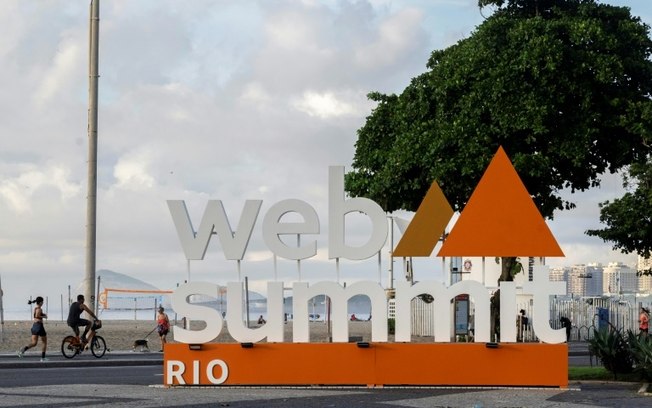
<point x="379" y="364"/>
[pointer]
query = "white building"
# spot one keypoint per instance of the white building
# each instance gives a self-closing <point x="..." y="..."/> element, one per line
<point x="585" y="280"/>
<point x="618" y="278"/>
<point x="644" y="281"/>
<point x="560" y="274"/>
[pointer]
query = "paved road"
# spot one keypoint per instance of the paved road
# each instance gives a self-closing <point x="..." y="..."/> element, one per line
<point x="133" y="380"/>
<point x="139" y="396"/>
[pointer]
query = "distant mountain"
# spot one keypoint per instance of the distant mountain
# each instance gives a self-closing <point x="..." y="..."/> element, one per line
<point x="115" y="280"/>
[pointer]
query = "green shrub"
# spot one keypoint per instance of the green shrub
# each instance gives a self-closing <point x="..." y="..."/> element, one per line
<point x="612" y="349"/>
<point x="640" y="349"/>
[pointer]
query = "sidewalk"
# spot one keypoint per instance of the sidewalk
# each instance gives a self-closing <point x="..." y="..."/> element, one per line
<point x="578" y="348"/>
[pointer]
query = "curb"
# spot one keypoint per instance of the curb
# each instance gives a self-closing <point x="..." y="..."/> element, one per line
<point x="111" y="359"/>
<point x="99" y="362"/>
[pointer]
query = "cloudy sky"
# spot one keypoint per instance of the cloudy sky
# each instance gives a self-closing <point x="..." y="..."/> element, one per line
<point x="200" y="100"/>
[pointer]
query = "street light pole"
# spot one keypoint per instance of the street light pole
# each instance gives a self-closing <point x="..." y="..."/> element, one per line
<point x="91" y="199"/>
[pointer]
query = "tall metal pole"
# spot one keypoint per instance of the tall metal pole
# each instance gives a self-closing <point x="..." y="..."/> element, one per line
<point x="91" y="199"/>
<point x="2" y="315"/>
<point x="391" y="252"/>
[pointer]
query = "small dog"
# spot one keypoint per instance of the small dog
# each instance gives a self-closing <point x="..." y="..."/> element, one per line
<point x="142" y="344"/>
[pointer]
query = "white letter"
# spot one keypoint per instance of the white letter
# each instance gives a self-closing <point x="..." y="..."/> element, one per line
<point x="194" y="244"/>
<point x="442" y="305"/>
<point x="175" y="371"/>
<point x="339" y="297"/>
<point x="195" y="372"/>
<point x="273" y="329"/>
<point x="209" y="372"/>
<point x="541" y="288"/>
<point x="273" y="228"/>
<point x="507" y="311"/>
<point x="338" y="207"/>
<point x="212" y="317"/>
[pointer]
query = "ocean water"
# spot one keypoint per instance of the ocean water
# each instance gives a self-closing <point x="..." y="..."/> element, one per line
<point x="56" y="314"/>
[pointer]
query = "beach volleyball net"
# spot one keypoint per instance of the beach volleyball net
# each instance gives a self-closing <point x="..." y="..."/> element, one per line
<point x="120" y="299"/>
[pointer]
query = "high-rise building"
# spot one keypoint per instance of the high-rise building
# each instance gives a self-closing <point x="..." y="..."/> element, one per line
<point x="560" y="274"/>
<point x="618" y="278"/>
<point x="585" y="280"/>
<point x="644" y="281"/>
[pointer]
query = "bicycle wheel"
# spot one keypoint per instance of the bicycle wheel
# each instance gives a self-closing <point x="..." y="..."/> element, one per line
<point x="98" y="346"/>
<point x="69" y="347"/>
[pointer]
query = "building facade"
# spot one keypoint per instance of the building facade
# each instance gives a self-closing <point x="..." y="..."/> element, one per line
<point x="644" y="281"/>
<point x="560" y="274"/>
<point x="618" y="278"/>
<point x="585" y="280"/>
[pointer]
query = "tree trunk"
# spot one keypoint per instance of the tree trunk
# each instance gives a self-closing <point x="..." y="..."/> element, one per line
<point x="509" y="266"/>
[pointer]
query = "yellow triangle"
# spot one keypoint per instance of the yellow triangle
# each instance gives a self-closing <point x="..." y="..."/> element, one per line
<point x="500" y="219"/>
<point x="427" y="226"/>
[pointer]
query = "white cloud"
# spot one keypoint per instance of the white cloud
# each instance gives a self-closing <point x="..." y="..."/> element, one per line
<point x="325" y="105"/>
<point x="131" y="171"/>
<point x="255" y="94"/>
<point x="67" y="61"/>
<point x="18" y="192"/>
<point x="396" y="37"/>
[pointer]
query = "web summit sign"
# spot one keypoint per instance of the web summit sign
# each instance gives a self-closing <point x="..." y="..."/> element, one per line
<point x="500" y="219"/>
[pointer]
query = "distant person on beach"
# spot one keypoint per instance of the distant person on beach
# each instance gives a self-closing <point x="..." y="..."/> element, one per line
<point x="353" y="318"/>
<point x="644" y="322"/>
<point x="38" y="330"/>
<point x="261" y="320"/>
<point x="566" y="323"/>
<point x="75" y="321"/>
<point x="521" y="325"/>
<point x="162" y="326"/>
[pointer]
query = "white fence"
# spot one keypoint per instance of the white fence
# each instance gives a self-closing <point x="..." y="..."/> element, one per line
<point x="586" y="316"/>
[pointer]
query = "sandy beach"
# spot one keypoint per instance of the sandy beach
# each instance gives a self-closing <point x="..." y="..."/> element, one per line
<point x="121" y="334"/>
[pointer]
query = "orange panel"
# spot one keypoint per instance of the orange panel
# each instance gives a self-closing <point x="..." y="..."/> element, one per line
<point x="427" y="226"/>
<point x="473" y="364"/>
<point x="461" y="364"/>
<point x="500" y="219"/>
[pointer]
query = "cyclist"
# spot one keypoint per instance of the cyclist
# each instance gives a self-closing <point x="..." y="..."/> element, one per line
<point x="75" y="321"/>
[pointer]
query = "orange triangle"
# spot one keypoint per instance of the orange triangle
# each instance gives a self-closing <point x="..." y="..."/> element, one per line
<point x="500" y="218"/>
<point x="427" y="226"/>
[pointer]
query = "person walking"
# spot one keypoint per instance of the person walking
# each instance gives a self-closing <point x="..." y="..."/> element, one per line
<point x="162" y="326"/>
<point x="566" y="323"/>
<point x="521" y="325"/>
<point x="38" y="330"/>
<point x="644" y="322"/>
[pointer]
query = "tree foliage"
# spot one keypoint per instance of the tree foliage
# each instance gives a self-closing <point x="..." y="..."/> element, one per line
<point x="628" y="219"/>
<point x="563" y="85"/>
<point x="565" y="92"/>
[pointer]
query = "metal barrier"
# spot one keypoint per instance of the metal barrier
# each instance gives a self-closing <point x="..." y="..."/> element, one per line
<point x="584" y="313"/>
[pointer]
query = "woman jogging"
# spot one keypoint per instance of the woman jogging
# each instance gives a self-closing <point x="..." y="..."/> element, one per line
<point x="38" y="330"/>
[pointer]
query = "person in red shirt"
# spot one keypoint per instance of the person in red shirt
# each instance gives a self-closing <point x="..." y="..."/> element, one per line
<point x="162" y="326"/>
<point x="644" y="321"/>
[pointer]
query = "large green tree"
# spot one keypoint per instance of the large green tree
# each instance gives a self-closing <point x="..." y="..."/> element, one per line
<point x="563" y="85"/>
<point x="628" y="219"/>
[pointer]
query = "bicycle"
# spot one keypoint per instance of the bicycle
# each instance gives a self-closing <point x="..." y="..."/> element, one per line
<point x="71" y="345"/>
